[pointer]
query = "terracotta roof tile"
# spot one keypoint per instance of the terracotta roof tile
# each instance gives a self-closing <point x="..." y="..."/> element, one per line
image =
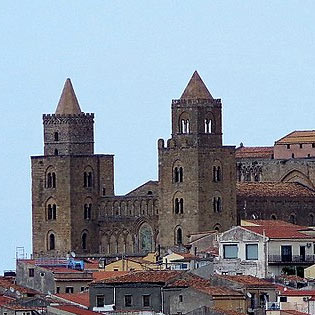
<point x="298" y="136"/>
<point x="202" y="285"/>
<point x="254" y="152"/>
<point x="291" y="292"/>
<point x="5" y="300"/>
<point x="248" y="280"/>
<point x="102" y="275"/>
<point x="157" y="276"/>
<point x="75" y="310"/>
<point x="8" y="283"/>
<point x="81" y="298"/>
<point x="269" y="189"/>
<point x="278" y="229"/>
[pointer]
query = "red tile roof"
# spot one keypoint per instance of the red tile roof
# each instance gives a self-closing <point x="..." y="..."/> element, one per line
<point x="5" y="300"/>
<point x="202" y="285"/>
<point x="81" y="298"/>
<point x="254" y="152"/>
<point x="157" y="276"/>
<point x="102" y="275"/>
<point x="291" y="292"/>
<point x="8" y="283"/>
<point x="292" y="312"/>
<point x="278" y="229"/>
<point x="269" y="189"/>
<point x="298" y="136"/>
<point x="249" y="281"/>
<point x="75" y="310"/>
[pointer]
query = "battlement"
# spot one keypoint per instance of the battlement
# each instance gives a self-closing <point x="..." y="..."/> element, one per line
<point x="196" y="101"/>
<point x="51" y="116"/>
<point x="68" y="118"/>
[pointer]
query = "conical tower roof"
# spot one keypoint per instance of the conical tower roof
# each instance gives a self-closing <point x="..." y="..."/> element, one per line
<point x="68" y="103"/>
<point x="196" y="89"/>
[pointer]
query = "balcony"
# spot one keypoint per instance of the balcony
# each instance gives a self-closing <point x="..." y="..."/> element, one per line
<point x="291" y="259"/>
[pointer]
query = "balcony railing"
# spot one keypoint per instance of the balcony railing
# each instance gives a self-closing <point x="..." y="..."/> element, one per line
<point x="291" y="258"/>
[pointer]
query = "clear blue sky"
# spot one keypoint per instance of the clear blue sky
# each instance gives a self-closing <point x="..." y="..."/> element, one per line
<point x="127" y="60"/>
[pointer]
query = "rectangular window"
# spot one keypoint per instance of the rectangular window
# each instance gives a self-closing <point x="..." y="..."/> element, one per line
<point x="82" y="289"/>
<point x="283" y="299"/>
<point x="301" y="145"/>
<point x="251" y="251"/>
<point x="313" y="145"/>
<point x="58" y="290"/>
<point x="100" y="301"/>
<point x="180" y="298"/>
<point x="69" y="289"/>
<point x="128" y="300"/>
<point x="288" y="146"/>
<point x="146" y="300"/>
<point x="230" y="251"/>
<point x="31" y="272"/>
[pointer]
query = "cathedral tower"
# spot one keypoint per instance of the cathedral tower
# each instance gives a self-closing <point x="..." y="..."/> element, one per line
<point x="67" y="182"/>
<point x="196" y="173"/>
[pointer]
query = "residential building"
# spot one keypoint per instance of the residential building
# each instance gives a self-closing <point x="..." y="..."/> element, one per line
<point x="266" y="248"/>
<point x="51" y="276"/>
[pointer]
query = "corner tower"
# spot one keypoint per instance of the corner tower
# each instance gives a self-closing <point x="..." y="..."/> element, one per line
<point x="68" y="181"/>
<point x="196" y="172"/>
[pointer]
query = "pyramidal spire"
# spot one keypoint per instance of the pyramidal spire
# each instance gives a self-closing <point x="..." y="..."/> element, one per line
<point x="196" y="89"/>
<point x="68" y="102"/>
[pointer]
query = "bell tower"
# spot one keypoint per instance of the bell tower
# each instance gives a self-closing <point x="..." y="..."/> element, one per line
<point x="196" y="172"/>
<point x="68" y="181"/>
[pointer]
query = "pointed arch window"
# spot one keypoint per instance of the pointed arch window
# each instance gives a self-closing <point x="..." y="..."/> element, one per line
<point x="217" y="204"/>
<point x="87" y="211"/>
<point x="179" y="236"/>
<point x="51" y="180"/>
<point x="216" y="173"/>
<point x="52" y="212"/>
<point x="179" y="206"/>
<point x="84" y="240"/>
<point x="208" y="123"/>
<point x="178" y="174"/>
<point x="56" y="136"/>
<point x="184" y="126"/>
<point x="51" y="241"/>
<point x="88" y="179"/>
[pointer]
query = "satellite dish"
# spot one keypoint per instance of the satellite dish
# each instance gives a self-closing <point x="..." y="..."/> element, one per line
<point x="72" y="254"/>
<point x="249" y="295"/>
<point x="11" y="289"/>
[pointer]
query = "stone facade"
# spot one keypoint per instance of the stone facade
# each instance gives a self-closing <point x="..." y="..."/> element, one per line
<point x="74" y="207"/>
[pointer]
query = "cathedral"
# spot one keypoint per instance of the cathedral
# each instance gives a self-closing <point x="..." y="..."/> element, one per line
<point x="202" y="185"/>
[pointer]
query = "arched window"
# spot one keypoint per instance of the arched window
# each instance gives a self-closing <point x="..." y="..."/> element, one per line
<point x="51" y="241"/>
<point x="84" y="240"/>
<point x="176" y="206"/>
<point x="181" y="205"/>
<point x="217" y="172"/>
<point x="292" y="218"/>
<point x="56" y="152"/>
<point x="208" y="125"/>
<point x="178" y="174"/>
<point x="184" y="126"/>
<point x="88" y="178"/>
<point x="53" y="179"/>
<point x="87" y="211"/>
<point x="49" y="180"/>
<point x="217" y="204"/>
<point x="51" y="212"/>
<point x="56" y="136"/>
<point x="145" y="238"/>
<point x="179" y="236"/>
<point x="273" y="217"/>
